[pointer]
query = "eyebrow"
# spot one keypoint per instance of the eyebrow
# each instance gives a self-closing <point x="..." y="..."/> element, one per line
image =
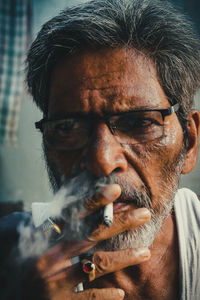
<point x="62" y="116"/>
<point x="80" y="114"/>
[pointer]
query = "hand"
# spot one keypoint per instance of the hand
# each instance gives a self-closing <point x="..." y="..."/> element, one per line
<point x="60" y="278"/>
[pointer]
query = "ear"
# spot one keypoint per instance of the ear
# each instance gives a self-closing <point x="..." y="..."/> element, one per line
<point x="192" y="141"/>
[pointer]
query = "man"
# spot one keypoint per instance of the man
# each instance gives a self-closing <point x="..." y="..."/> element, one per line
<point x="116" y="80"/>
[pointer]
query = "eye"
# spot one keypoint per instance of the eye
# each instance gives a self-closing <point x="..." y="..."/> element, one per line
<point x="145" y="119"/>
<point x="70" y="133"/>
<point x="131" y="122"/>
<point x="66" y="125"/>
<point x="139" y="122"/>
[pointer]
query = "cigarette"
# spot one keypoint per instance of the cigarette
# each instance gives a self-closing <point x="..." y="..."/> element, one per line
<point x="108" y="214"/>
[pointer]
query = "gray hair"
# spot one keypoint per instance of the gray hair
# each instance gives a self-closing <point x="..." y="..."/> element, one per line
<point x="153" y="28"/>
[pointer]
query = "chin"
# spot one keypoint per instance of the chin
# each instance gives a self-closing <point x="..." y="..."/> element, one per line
<point x="142" y="236"/>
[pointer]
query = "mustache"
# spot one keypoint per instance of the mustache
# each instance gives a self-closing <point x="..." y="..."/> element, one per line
<point x="139" y="197"/>
<point x="132" y="195"/>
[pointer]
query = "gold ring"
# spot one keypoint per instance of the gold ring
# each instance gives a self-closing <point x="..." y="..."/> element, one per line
<point x="89" y="268"/>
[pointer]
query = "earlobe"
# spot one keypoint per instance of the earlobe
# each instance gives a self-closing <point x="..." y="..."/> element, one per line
<point x="192" y="142"/>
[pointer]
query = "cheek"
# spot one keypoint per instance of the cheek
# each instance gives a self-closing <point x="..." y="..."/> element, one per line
<point x="62" y="161"/>
<point x="168" y="149"/>
<point x="159" y="154"/>
<point x="173" y="134"/>
<point x="153" y="160"/>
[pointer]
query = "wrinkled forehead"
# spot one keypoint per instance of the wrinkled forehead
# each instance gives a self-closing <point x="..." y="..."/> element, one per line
<point x="107" y="80"/>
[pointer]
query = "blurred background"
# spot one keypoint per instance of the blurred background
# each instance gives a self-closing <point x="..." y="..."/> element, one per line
<point x="23" y="177"/>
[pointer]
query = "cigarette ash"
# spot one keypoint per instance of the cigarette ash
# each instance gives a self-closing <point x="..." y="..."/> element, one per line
<point x="64" y="208"/>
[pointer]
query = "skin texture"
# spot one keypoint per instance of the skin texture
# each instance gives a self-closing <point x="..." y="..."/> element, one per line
<point x="111" y="81"/>
<point x="109" y="86"/>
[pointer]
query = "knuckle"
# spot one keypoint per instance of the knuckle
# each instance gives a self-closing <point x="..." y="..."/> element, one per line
<point x="91" y="204"/>
<point x="101" y="262"/>
<point x="98" y="234"/>
<point x="130" y="220"/>
<point x="125" y="220"/>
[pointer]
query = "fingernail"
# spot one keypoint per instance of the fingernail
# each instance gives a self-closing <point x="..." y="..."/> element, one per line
<point x="143" y="252"/>
<point x="121" y="293"/>
<point x="112" y="191"/>
<point x="142" y="213"/>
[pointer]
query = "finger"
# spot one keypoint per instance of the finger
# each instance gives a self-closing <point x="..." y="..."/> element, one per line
<point x="100" y="294"/>
<point x="90" y="294"/>
<point x="109" y="262"/>
<point x="62" y="287"/>
<point x="58" y="258"/>
<point x="104" y="196"/>
<point x="55" y="258"/>
<point x="69" y="277"/>
<point x="122" y="221"/>
<point x="105" y="262"/>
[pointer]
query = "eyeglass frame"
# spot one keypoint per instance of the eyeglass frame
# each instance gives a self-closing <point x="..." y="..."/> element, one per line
<point x="164" y="112"/>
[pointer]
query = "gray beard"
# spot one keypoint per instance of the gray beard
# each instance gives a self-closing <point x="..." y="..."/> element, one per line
<point x="141" y="236"/>
<point x="144" y="235"/>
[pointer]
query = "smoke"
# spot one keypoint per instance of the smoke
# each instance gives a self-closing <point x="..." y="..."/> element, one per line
<point x="64" y="208"/>
<point x="18" y="260"/>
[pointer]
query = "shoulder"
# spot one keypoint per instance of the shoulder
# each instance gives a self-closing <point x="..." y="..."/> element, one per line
<point x="186" y="199"/>
<point x="10" y="223"/>
<point x="187" y="211"/>
<point x="9" y="233"/>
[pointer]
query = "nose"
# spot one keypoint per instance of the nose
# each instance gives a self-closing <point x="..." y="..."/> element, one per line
<point x="104" y="153"/>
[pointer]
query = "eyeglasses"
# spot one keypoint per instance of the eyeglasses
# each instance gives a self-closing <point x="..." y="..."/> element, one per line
<point x="73" y="132"/>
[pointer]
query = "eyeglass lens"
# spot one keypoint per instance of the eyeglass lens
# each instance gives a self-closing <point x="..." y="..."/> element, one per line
<point x="129" y="128"/>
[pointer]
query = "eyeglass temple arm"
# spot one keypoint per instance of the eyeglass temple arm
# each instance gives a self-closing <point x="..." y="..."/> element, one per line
<point x="38" y="125"/>
<point x="173" y="108"/>
<point x="169" y="111"/>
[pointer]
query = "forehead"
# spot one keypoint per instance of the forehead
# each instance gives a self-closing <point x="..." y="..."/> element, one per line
<point x="105" y="81"/>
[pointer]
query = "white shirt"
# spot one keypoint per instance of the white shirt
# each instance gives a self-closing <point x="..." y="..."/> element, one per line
<point x="187" y="212"/>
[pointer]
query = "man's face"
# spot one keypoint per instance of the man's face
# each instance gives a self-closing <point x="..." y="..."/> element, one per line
<point x="113" y="81"/>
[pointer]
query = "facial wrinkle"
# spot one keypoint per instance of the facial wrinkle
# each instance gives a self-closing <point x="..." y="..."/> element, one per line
<point x="143" y="236"/>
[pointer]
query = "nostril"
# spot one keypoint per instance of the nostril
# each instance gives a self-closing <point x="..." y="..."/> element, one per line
<point x="118" y="169"/>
